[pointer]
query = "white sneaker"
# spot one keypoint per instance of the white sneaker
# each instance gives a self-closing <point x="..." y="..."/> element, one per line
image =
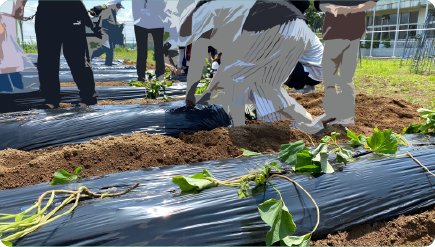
<point x="347" y="122"/>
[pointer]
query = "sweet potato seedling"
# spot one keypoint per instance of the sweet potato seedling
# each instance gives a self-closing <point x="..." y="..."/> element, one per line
<point x="273" y="212"/>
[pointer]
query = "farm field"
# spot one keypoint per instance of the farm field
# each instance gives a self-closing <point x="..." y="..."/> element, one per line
<point x="388" y="97"/>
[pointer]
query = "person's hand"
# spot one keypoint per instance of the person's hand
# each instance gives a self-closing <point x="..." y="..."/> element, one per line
<point x="178" y="72"/>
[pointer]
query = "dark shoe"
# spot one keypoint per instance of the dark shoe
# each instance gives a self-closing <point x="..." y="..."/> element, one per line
<point x="46" y="107"/>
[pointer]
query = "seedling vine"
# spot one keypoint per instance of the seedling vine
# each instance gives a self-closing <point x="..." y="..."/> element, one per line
<point x="27" y="222"/>
<point x="273" y="212"/>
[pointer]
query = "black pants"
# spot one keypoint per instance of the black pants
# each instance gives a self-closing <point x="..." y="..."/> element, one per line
<point x="142" y="50"/>
<point x="61" y="25"/>
<point x="299" y="78"/>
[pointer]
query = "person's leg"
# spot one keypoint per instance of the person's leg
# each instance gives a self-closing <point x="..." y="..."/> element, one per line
<point x="109" y="54"/>
<point x="346" y="89"/>
<point x="297" y="78"/>
<point x="158" y="35"/>
<point x="331" y="67"/>
<point x="98" y="52"/>
<point x="49" y="47"/>
<point x="197" y="63"/>
<point x="75" y="50"/>
<point x="142" y="51"/>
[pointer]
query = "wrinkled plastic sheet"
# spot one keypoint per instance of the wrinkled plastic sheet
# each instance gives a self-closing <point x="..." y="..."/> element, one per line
<point x="29" y="100"/>
<point x="157" y="214"/>
<point x="45" y="128"/>
<point x="102" y="73"/>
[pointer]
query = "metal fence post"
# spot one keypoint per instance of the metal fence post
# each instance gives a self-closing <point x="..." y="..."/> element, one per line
<point x="373" y="29"/>
<point x="397" y="29"/>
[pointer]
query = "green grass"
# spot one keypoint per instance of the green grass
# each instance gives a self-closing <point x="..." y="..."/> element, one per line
<point x="120" y="53"/>
<point x="29" y="47"/>
<point x="388" y="78"/>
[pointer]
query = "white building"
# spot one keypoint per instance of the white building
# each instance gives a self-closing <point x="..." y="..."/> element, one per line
<point x="393" y="15"/>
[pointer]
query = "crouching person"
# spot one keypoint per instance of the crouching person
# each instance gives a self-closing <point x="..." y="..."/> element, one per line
<point x="259" y="57"/>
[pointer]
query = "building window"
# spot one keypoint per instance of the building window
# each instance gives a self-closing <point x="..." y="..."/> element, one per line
<point x="378" y="20"/>
<point x="404" y="18"/>
<point x="413" y="17"/>
<point x="403" y="35"/>
<point x="393" y="19"/>
<point x="369" y="21"/>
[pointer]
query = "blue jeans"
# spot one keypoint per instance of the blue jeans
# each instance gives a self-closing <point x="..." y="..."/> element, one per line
<point x="10" y="81"/>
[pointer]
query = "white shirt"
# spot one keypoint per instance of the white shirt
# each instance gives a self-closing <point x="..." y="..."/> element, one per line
<point x="311" y="60"/>
<point x="150" y="14"/>
<point x="167" y="14"/>
<point x="177" y="12"/>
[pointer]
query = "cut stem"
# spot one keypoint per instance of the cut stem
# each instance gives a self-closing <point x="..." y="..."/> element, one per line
<point x="315" y="204"/>
<point x="418" y="162"/>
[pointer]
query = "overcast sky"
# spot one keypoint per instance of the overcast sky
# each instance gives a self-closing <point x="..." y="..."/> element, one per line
<point x="124" y="15"/>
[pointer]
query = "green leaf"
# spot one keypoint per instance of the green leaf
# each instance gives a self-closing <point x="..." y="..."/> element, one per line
<point x="62" y="176"/>
<point x="383" y="142"/>
<point x="334" y="134"/>
<point x="198" y="176"/>
<point x="276" y="165"/>
<point x="248" y="153"/>
<point x="289" y="152"/>
<point x="412" y="129"/>
<point x="260" y="179"/>
<point x="276" y="215"/>
<point x="169" y="84"/>
<point x="189" y="184"/>
<point x="304" y="163"/>
<point x="425" y="111"/>
<point x="343" y="155"/>
<point x="207" y="173"/>
<point x="321" y="159"/>
<point x="78" y="171"/>
<point x="325" y="139"/>
<point x="6" y="243"/>
<point x="243" y="192"/>
<point x="322" y="148"/>
<point x="356" y="140"/>
<point x="296" y="240"/>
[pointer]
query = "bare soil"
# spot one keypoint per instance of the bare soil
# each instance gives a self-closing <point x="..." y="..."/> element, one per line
<point x="125" y="102"/>
<point x="141" y="150"/>
<point x="410" y="230"/>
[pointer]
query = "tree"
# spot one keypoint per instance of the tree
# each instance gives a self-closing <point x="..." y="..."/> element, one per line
<point x="315" y="18"/>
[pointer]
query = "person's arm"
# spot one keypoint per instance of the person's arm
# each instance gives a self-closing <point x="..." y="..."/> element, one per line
<point x="18" y="12"/>
<point x="210" y="57"/>
<point x="345" y="10"/>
